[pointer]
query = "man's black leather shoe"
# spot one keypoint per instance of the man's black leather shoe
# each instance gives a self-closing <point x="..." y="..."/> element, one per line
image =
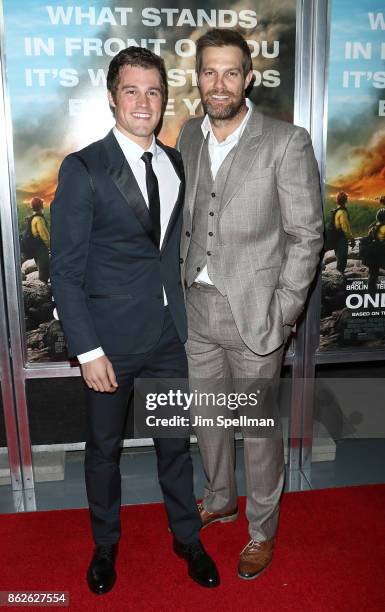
<point x="101" y="574"/>
<point x="201" y="567"/>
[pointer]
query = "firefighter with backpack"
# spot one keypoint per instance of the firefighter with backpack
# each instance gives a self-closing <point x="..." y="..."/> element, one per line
<point x="339" y="233"/>
<point x="35" y="241"/>
<point x="372" y="248"/>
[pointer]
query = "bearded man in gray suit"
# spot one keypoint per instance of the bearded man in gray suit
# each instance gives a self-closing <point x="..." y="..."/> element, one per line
<point x="250" y="247"/>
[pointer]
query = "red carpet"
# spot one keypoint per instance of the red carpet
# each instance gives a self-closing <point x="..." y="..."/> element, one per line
<point x="330" y="557"/>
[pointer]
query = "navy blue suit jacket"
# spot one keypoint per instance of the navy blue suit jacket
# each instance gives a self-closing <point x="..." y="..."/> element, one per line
<point x="107" y="273"/>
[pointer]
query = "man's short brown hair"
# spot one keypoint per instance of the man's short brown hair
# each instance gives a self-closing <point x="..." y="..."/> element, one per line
<point x="221" y="37"/>
<point x="137" y="57"/>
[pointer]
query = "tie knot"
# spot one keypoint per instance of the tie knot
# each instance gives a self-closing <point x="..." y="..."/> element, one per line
<point x="147" y="157"/>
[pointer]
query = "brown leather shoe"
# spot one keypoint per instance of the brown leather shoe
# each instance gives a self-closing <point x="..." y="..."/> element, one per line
<point x="215" y="517"/>
<point x="255" y="558"/>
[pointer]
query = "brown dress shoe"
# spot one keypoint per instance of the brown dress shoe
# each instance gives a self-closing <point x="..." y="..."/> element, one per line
<point x="255" y="558"/>
<point x="215" y="517"/>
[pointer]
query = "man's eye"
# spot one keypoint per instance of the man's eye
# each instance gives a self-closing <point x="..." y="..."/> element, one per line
<point x="131" y="92"/>
<point x="154" y="93"/>
<point x="208" y="73"/>
<point x="232" y="73"/>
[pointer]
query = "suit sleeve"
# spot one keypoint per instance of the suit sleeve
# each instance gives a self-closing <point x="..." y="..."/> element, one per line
<point x="302" y="218"/>
<point x="71" y="224"/>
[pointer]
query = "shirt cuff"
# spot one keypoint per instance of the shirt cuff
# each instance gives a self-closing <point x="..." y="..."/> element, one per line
<point x="90" y="355"/>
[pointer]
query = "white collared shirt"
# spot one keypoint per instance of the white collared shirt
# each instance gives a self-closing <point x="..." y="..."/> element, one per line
<point x="218" y="151"/>
<point x="168" y="182"/>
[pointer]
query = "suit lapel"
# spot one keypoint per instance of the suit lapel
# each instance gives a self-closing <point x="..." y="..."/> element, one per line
<point x="193" y="165"/>
<point x="120" y="172"/>
<point x="178" y="167"/>
<point x="246" y="152"/>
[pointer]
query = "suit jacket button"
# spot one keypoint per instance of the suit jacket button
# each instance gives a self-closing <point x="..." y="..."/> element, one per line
<point x="211" y="234"/>
<point x="209" y="253"/>
<point x="188" y="234"/>
<point x="213" y="195"/>
<point x="181" y="260"/>
<point x="198" y="269"/>
<point x="211" y="213"/>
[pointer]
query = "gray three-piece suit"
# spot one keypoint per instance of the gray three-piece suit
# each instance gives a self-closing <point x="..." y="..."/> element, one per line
<point x="258" y="228"/>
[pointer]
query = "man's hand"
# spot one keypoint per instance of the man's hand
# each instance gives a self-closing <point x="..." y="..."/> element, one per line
<point x="99" y="375"/>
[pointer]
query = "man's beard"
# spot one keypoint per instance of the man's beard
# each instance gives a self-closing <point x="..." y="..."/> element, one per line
<point x="223" y="111"/>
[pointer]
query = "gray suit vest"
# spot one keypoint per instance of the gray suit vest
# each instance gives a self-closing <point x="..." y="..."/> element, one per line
<point x="203" y="248"/>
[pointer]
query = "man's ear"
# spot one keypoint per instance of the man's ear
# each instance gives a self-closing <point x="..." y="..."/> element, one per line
<point x="111" y="100"/>
<point x="248" y="78"/>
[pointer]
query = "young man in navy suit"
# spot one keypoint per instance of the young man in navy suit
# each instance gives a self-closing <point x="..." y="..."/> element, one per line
<point x="116" y="222"/>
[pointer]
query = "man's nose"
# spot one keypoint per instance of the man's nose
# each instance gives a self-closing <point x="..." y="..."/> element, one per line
<point x="219" y="82"/>
<point x="142" y="99"/>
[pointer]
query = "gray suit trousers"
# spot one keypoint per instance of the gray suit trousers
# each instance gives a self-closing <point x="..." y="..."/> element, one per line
<point x="216" y="351"/>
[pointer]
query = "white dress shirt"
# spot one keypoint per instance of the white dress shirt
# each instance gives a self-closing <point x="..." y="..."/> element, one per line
<point x="168" y="193"/>
<point x="218" y="151"/>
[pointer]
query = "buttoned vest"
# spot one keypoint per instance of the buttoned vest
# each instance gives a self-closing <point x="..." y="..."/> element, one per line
<point x="203" y="249"/>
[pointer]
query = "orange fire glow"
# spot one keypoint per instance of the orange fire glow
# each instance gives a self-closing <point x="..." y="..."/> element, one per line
<point x="368" y="178"/>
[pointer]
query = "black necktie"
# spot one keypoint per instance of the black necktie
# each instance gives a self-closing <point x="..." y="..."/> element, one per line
<point x="153" y="196"/>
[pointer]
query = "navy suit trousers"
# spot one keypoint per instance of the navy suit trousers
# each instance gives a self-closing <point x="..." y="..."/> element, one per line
<point x="106" y="417"/>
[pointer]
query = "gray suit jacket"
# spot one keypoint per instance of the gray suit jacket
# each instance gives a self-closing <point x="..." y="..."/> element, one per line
<point x="270" y="225"/>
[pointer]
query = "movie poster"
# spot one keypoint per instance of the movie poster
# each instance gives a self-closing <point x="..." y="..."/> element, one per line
<point x="353" y="275"/>
<point x="57" y="55"/>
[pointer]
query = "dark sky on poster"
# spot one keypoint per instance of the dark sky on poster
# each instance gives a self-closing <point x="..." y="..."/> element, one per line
<point x="57" y="54"/>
